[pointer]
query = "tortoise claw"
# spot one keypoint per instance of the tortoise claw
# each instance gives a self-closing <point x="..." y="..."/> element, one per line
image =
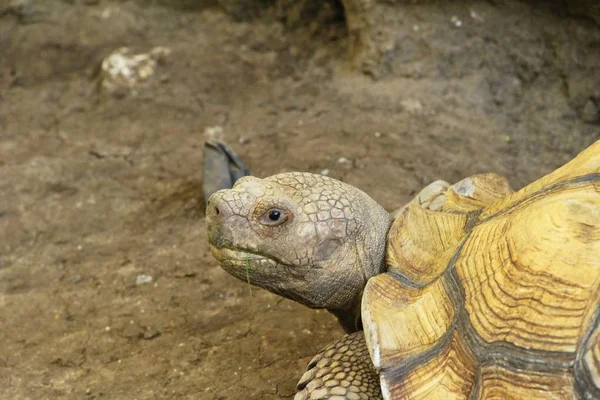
<point x="306" y="378"/>
<point x="222" y="167"/>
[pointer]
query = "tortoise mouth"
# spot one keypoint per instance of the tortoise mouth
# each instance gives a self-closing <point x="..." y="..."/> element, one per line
<point x="234" y="253"/>
<point x="240" y="261"/>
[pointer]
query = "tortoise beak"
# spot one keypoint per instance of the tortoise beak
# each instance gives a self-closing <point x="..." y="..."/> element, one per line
<point x="217" y="211"/>
<point x="225" y="228"/>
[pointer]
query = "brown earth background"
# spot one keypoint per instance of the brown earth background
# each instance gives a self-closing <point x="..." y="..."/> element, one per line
<point x="97" y="189"/>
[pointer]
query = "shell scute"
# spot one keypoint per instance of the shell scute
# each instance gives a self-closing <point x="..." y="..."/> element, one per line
<point x="495" y="296"/>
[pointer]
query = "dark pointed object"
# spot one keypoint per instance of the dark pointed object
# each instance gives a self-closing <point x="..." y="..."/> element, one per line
<point x="222" y="167"/>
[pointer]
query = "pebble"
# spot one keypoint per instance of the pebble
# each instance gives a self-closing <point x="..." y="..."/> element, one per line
<point x="106" y="13"/>
<point x="213" y="132"/>
<point x="123" y="70"/>
<point x="476" y="16"/>
<point x="151" y="333"/>
<point x="143" y="279"/>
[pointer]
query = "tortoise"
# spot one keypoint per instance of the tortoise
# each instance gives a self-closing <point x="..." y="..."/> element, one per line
<point x="471" y="291"/>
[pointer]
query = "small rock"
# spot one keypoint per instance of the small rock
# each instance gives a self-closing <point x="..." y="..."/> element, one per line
<point x="325" y="172"/>
<point x="456" y="21"/>
<point x="122" y="71"/>
<point x="476" y="16"/>
<point x="377" y="134"/>
<point x="151" y="333"/>
<point x="143" y="279"/>
<point x="343" y="160"/>
<point x="213" y="133"/>
<point x="106" y="13"/>
<point x="590" y="112"/>
<point x="88" y="391"/>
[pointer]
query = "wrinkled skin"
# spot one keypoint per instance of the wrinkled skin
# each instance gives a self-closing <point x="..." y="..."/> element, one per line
<point x="306" y="237"/>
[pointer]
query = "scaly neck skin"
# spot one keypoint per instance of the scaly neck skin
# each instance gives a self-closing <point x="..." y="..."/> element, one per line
<point x="350" y="319"/>
<point x="370" y="262"/>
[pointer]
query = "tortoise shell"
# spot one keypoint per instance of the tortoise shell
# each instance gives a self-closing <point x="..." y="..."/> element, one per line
<point x="495" y="295"/>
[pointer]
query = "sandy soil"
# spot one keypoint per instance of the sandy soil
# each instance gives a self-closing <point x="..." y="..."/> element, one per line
<point x="97" y="190"/>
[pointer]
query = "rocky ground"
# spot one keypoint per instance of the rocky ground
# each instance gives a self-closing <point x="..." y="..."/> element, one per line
<point x="107" y="287"/>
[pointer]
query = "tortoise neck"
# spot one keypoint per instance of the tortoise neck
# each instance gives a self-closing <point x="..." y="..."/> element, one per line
<point x="350" y="318"/>
<point x="371" y="257"/>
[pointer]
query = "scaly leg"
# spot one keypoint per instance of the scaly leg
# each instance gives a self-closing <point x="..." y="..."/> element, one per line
<point x="341" y="371"/>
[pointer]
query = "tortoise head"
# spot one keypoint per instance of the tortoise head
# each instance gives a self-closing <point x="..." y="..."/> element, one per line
<point x="306" y="237"/>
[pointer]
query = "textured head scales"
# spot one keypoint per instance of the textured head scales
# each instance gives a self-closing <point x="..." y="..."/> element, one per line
<point x="307" y="237"/>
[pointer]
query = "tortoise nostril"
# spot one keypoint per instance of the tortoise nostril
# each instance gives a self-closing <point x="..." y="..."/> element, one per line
<point x="217" y="212"/>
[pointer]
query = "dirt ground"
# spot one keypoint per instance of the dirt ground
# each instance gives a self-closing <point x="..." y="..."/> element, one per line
<point x="98" y="190"/>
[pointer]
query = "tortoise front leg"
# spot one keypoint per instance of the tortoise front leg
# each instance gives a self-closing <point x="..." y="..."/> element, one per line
<point x="341" y="371"/>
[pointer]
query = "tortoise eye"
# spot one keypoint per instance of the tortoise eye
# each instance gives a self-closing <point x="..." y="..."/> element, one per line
<point x="274" y="217"/>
